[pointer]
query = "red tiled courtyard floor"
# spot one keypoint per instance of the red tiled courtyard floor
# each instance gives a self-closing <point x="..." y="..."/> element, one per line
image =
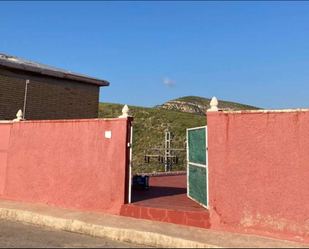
<point x="167" y="201"/>
<point x="166" y="192"/>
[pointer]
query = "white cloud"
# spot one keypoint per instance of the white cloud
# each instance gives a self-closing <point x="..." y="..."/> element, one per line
<point x="168" y="82"/>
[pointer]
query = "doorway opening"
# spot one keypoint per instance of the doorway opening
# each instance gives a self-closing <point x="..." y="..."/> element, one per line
<point x="177" y="197"/>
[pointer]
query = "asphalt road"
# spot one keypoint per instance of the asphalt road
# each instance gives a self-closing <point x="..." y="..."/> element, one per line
<point x="17" y="235"/>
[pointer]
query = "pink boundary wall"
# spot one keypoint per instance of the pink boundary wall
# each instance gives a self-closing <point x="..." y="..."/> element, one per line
<point x="5" y="131"/>
<point x="259" y="173"/>
<point x="65" y="163"/>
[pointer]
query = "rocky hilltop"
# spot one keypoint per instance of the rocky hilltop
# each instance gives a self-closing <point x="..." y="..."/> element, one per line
<point x="199" y="106"/>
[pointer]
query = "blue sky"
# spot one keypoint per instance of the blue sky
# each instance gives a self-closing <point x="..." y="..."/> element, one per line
<point x="255" y="53"/>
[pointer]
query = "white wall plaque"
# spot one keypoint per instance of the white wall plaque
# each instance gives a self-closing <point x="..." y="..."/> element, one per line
<point x="108" y="134"/>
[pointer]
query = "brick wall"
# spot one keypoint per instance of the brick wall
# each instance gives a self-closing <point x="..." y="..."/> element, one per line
<point x="48" y="97"/>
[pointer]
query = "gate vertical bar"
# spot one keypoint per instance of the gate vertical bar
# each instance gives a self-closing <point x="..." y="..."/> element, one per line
<point x="130" y="165"/>
<point x="207" y="168"/>
<point x="188" y="186"/>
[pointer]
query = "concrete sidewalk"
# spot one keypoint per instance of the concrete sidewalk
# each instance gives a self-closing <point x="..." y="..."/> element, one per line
<point x="136" y="231"/>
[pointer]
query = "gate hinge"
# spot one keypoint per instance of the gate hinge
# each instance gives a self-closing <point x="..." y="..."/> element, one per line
<point x="129" y="145"/>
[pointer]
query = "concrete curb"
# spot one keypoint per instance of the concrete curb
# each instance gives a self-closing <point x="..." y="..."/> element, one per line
<point x="123" y="235"/>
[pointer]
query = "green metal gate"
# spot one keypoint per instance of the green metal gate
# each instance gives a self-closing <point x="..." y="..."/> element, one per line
<point x="197" y="170"/>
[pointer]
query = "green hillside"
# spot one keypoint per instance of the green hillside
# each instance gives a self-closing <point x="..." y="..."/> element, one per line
<point x="149" y="125"/>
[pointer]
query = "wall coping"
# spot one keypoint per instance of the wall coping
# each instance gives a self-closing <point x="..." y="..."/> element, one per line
<point x="261" y="111"/>
<point x="71" y="120"/>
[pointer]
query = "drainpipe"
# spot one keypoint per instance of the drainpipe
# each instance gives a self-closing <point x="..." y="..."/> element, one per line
<point x="25" y="100"/>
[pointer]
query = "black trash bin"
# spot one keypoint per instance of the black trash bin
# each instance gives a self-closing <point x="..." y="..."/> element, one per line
<point x="141" y="182"/>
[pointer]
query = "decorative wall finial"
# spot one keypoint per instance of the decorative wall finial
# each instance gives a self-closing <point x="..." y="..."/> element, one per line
<point x="125" y="112"/>
<point x="19" y="116"/>
<point x="214" y="105"/>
